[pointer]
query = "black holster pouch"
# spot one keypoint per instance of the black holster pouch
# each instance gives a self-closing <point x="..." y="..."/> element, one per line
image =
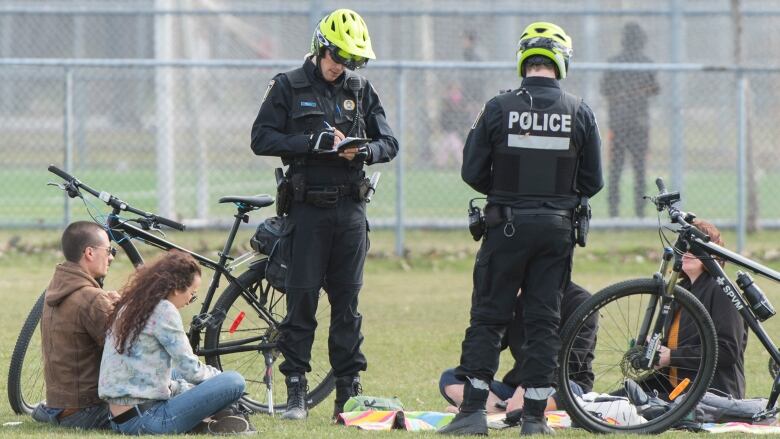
<point x="284" y="193"/>
<point x="361" y="189"/>
<point x="582" y="216"/>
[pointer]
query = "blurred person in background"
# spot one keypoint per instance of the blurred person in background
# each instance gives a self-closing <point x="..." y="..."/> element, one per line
<point x="535" y="152"/>
<point x="75" y="311"/>
<point x="304" y="114"/>
<point x="628" y="93"/>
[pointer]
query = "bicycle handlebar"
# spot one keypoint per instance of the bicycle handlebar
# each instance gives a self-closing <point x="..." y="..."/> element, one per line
<point x="111" y="200"/>
<point x="659" y="182"/>
<point x="666" y="200"/>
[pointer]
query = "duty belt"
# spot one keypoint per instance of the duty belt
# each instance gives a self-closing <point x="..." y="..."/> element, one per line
<point x="557" y="212"/>
<point x="328" y="196"/>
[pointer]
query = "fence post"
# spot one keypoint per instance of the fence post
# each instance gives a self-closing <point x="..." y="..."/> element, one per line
<point x="67" y="129"/>
<point x="163" y="50"/>
<point x="741" y="160"/>
<point x="399" y="165"/>
<point x="676" y="134"/>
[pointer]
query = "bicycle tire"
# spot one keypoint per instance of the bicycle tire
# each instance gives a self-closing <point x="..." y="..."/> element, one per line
<point x="251" y="364"/>
<point x="26" y="386"/>
<point x="608" y="377"/>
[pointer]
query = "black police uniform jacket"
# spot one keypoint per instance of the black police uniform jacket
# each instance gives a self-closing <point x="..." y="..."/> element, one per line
<point x="536" y="146"/>
<point x="299" y="103"/>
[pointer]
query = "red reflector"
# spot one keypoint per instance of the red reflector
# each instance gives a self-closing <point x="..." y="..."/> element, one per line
<point x="237" y="322"/>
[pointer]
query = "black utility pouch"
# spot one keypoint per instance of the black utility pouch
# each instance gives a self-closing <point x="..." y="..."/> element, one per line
<point x="326" y="198"/>
<point x="284" y="193"/>
<point x="477" y="226"/>
<point x="582" y="216"/>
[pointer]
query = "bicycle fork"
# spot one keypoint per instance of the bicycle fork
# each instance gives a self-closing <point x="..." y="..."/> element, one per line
<point x="665" y="288"/>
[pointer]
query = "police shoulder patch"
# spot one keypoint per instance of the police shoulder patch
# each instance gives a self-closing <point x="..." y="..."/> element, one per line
<point x="268" y="89"/>
<point x="479" y="116"/>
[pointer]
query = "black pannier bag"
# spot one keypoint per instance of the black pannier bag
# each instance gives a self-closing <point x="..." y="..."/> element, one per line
<point x="272" y="238"/>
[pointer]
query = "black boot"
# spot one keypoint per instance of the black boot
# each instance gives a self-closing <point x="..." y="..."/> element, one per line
<point x="346" y="387"/>
<point x="296" y="397"/>
<point x="471" y="420"/>
<point x="534" y="421"/>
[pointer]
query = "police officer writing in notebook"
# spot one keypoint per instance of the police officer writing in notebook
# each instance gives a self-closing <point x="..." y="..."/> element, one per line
<point x="304" y="114"/>
<point x="535" y="153"/>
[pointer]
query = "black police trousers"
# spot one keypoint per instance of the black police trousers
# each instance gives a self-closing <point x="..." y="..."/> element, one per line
<point x="535" y="262"/>
<point x="328" y="246"/>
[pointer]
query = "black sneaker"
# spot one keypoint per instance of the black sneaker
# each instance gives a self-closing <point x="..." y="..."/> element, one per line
<point x="467" y="424"/>
<point x="229" y="425"/>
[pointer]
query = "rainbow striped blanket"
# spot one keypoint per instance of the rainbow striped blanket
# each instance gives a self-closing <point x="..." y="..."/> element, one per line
<point x="395" y="420"/>
<point x="423" y="421"/>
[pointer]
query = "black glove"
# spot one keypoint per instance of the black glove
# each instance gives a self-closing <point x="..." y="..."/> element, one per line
<point x="363" y="154"/>
<point x="322" y="141"/>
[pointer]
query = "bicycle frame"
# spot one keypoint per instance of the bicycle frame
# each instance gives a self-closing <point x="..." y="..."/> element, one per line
<point x="706" y="251"/>
<point x="121" y="232"/>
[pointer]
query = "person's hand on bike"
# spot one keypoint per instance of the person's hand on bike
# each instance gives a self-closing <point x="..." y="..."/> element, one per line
<point x="664" y="357"/>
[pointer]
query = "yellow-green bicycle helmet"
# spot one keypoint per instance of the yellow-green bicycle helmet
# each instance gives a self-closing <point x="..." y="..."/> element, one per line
<point x="345" y="34"/>
<point x="548" y="40"/>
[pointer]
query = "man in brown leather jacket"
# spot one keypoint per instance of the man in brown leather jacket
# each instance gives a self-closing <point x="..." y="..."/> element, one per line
<point x="73" y="330"/>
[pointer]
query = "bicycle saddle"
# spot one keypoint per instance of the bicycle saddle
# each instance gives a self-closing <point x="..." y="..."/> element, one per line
<point x="257" y="201"/>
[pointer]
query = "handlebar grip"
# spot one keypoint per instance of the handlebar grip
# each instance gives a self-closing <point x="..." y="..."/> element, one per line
<point x="170" y="223"/>
<point x="659" y="183"/>
<point x="60" y="173"/>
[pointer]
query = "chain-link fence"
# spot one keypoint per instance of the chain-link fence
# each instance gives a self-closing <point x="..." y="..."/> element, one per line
<point x="154" y="100"/>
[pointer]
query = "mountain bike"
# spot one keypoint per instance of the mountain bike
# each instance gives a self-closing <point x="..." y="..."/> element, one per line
<point x="635" y="316"/>
<point x="239" y="332"/>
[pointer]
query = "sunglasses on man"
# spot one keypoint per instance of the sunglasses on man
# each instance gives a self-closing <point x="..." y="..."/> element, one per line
<point x="109" y="250"/>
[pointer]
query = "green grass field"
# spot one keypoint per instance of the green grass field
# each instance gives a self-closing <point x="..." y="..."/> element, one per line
<point x="415" y="312"/>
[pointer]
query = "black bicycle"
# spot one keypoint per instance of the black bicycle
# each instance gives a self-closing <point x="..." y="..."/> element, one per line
<point x="636" y="315"/>
<point x="240" y="332"/>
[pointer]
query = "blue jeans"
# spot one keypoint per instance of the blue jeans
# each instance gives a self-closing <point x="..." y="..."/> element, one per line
<point x="88" y="418"/>
<point x="185" y="411"/>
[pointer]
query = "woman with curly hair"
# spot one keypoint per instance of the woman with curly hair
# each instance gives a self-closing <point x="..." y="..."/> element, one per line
<point x="146" y="342"/>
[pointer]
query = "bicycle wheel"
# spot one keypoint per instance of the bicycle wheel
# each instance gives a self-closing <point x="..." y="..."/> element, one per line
<point x="244" y="325"/>
<point x="621" y="309"/>
<point x="26" y="386"/>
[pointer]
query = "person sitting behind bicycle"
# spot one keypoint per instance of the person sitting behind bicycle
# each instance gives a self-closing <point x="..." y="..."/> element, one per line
<point x="507" y="394"/>
<point x="75" y="311"/>
<point x="680" y="355"/>
<point x="145" y="340"/>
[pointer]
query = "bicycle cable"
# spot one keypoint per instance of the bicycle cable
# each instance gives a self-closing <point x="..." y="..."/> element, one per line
<point x="668" y="243"/>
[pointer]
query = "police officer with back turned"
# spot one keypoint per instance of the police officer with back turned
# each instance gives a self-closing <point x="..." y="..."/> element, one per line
<point x="535" y="153"/>
<point x="304" y="113"/>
